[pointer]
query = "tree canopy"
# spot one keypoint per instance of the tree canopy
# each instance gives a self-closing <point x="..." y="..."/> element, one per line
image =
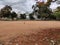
<point x="44" y="9"/>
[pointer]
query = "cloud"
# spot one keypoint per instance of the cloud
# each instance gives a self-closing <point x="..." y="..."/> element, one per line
<point x="53" y="5"/>
<point x="1" y="6"/>
<point x="22" y="5"/>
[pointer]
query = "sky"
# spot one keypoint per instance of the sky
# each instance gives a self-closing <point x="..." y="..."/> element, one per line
<point x="22" y="5"/>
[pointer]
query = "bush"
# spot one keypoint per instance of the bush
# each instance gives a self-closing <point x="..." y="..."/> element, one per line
<point x="57" y="14"/>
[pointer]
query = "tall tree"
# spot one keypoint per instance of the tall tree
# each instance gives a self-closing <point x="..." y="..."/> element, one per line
<point x="6" y="11"/>
<point x="13" y="15"/>
<point x="44" y="9"/>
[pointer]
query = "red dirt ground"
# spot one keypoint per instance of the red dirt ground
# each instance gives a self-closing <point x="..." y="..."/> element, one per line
<point x="29" y="32"/>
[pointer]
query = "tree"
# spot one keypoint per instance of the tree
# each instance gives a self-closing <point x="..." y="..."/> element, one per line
<point x="43" y="9"/>
<point x="31" y="16"/>
<point x="13" y="15"/>
<point x="23" y="16"/>
<point x="6" y="11"/>
<point x="57" y="13"/>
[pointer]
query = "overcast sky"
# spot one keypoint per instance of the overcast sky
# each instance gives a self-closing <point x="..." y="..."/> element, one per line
<point x="22" y="5"/>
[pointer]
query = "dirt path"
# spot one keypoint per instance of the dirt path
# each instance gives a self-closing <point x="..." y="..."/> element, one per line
<point x="10" y="29"/>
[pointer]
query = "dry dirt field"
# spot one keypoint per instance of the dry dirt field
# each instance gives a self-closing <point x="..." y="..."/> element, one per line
<point x="29" y="32"/>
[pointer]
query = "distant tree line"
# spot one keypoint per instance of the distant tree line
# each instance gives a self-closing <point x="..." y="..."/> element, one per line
<point x="41" y="11"/>
<point x="6" y="12"/>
